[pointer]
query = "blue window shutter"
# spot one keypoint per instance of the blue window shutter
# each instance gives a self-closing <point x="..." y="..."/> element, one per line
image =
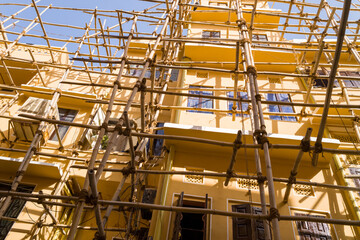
<point x="158" y="143"/>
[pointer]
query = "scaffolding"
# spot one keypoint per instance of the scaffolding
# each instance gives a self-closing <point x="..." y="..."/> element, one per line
<point x="97" y="52"/>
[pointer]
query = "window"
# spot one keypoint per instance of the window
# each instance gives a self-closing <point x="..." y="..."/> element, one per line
<point x="174" y="74"/>
<point x="67" y="115"/>
<point x="14" y="208"/>
<point x="201" y="101"/>
<point x="222" y="4"/>
<point x="25" y="129"/>
<point x="244" y="105"/>
<point x="135" y="70"/>
<point x="148" y="197"/>
<point x="260" y="37"/>
<point x="210" y="34"/>
<point x="190" y="226"/>
<point x="323" y="82"/>
<point x="313" y="230"/>
<point x="280" y="97"/>
<point x="92" y="134"/>
<point x="35" y="106"/>
<point x="355" y="171"/>
<point x="242" y="227"/>
<point x="351" y="83"/>
<point x="158" y="143"/>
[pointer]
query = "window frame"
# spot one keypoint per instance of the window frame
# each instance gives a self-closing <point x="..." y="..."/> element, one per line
<point x="158" y="143"/>
<point x="53" y="136"/>
<point x="305" y="228"/>
<point x="280" y="108"/>
<point x="356" y="181"/>
<point x="319" y="82"/>
<point x="200" y="99"/>
<point x="244" y="105"/>
<point x="185" y="198"/>
<point x="219" y="4"/>
<point x="348" y="82"/>
<point x="14" y="202"/>
<point x="134" y="70"/>
<point x="211" y="33"/>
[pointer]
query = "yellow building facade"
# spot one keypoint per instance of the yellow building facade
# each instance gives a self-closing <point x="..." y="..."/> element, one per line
<point x="205" y="128"/>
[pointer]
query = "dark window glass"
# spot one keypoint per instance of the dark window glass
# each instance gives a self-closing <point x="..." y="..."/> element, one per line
<point x="351" y="83"/>
<point x="323" y="82"/>
<point x="280" y="97"/>
<point x="14" y="208"/>
<point x="67" y="115"/>
<point x="201" y="101"/>
<point x="135" y="70"/>
<point x="190" y="226"/>
<point x="244" y="106"/>
<point x="210" y="34"/>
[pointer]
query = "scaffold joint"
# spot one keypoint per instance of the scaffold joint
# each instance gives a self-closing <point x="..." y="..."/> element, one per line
<point x="292" y="178"/>
<point x="240" y="22"/>
<point x="98" y="237"/>
<point x="274" y="213"/>
<point x="305" y="145"/>
<point x="318" y="148"/>
<point x="19" y="173"/>
<point x="105" y="125"/>
<point x="261" y="178"/>
<point x="261" y="138"/>
<point x="251" y="69"/>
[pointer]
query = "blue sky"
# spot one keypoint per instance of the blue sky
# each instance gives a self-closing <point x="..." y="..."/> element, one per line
<point x="79" y="19"/>
<point x="67" y="17"/>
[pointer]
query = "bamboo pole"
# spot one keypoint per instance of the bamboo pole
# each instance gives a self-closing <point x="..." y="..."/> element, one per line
<point x="95" y="197"/>
<point x="37" y="67"/>
<point x="258" y="118"/>
<point x="28" y="28"/>
<point x="330" y="85"/>
<point x="33" y="146"/>
<point x="30" y="197"/>
<point x="338" y="30"/>
<point x="305" y="143"/>
<point x="165" y="65"/>
<point x="43" y="29"/>
<point x="237" y="144"/>
<point x="81" y="205"/>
